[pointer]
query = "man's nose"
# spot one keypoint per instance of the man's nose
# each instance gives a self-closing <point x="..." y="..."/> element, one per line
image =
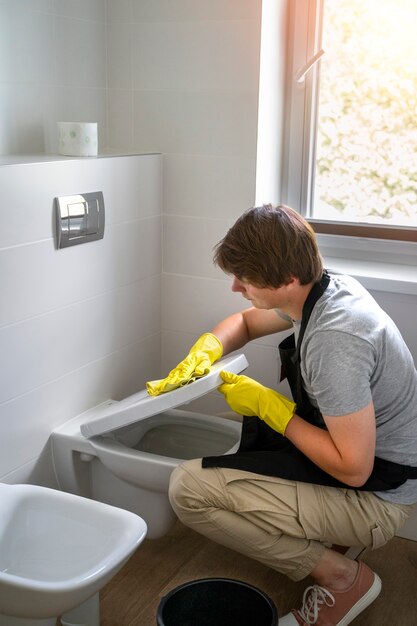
<point x="237" y="285"/>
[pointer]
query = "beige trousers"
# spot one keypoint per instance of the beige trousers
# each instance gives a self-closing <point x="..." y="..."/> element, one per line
<point x="281" y="523"/>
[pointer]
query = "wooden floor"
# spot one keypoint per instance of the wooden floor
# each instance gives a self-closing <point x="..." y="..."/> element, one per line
<point x="159" y="565"/>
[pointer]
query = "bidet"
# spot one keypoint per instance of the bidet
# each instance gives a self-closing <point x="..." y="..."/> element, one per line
<point x="57" y="550"/>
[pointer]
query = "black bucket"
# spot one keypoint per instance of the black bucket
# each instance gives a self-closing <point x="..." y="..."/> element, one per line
<point x="216" y="602"/>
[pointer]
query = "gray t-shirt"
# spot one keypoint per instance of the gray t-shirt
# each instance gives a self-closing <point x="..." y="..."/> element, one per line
<point x="353" y="353"/>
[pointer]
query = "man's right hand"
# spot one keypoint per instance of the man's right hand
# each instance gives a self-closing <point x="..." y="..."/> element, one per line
<point x="196" y="364"/>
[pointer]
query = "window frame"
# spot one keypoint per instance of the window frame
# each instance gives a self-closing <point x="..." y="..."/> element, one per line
<point x="304" y="33"/>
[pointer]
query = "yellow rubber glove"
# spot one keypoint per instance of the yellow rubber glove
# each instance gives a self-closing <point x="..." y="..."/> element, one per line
<point x="197" y="363"/>
<point x="248" y="397"/>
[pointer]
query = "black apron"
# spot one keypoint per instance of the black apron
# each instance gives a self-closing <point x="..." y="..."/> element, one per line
<point x="263" y="450"/>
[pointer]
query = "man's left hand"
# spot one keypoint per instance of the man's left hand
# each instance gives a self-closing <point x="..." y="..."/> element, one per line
<point x="248" y="397"/>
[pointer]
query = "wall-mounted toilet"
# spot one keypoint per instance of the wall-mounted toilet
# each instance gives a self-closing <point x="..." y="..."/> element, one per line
<point x="123" y="453"/>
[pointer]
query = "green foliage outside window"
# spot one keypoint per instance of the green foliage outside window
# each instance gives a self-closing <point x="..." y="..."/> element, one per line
<point x="366" y="162"/>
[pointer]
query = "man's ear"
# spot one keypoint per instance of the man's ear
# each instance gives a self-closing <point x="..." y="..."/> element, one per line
<point x="293" y="281"/>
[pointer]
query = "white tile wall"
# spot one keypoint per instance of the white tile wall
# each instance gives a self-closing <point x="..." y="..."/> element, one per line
<point x="192" y="310"/>
<point x="210" y="186"/>
<point x="192" y="53"/>
<point x="192" y="68"/>
<point x="188" y="245"/>
<point x="403" y="310"/>
<point x="30" y="50"/>
<point x="211" y="123"/>
<point x="120" y="111"/>
<point x="119" y="46"/>
<point x="178" y="77"/>
<point x="194" y="10"/>
<point x="80" y="53"/>
<point x="53" y="67"/>
<point x="81" y="324"/>
<point x="92" y="10"/>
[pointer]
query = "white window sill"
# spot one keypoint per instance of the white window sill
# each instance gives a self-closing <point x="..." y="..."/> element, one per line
<point x="375" y="275"/>
<point x="379" y="265"/>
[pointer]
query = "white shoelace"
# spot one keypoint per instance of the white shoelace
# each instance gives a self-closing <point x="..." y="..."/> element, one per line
<point x="313" y="599"/>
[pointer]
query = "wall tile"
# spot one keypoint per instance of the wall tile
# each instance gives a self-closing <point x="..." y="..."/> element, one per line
<point x="6" y="36"/>
<point x="52" y="345"/>
<point x="80" y="53"/>
<point x="121" y="10"/>
<point x="187" y="56"/>
<point x="5" y="117"/>
<point x="402" y="309"/>
<point x="193" y="305"/>
<point x="142" y="250"/>
<point x="37" y="471"/>
<point x="26" y="109"/>
<point x="31" y="51"/>
<point x="46" y="46"/>
<point x="120" y="116"/>
<point x="189" y="243"/>
<point x="119" y="55"/>
<point x="166" y="10"/>
<point x="27" y="421"/>
<point x="29" y="206"/>
<point x="37" y="278"/>
<point x="81" y="9"/>
<point x="45" y="6"/>
<point x="136" y="190"/>
<point x="195" y="123"/>
<point x="208" y="186"/>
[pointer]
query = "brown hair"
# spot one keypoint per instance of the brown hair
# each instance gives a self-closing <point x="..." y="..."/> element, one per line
<point x="268" y="246"/>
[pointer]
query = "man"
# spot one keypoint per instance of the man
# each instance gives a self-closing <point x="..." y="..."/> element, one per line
<point x="335" y="467"/>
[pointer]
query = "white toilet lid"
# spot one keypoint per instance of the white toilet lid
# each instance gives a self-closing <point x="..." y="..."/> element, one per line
<point x="141" y="405"/>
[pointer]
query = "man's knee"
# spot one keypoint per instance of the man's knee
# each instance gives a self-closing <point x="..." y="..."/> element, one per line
<point x="184" y="485"/>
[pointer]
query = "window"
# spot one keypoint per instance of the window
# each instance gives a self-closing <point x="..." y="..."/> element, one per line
<point x="352" y="118"/>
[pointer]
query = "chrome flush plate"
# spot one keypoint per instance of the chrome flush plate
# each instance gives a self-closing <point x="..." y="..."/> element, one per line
<point x="79" y="218"/>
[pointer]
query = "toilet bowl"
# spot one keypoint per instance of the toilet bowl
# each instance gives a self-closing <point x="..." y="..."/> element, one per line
<point x="123" y="453"/>
<point x="57" y="551"/>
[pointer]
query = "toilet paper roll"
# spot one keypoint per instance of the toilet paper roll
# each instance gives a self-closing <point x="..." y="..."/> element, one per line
<point x="77" y="138"/>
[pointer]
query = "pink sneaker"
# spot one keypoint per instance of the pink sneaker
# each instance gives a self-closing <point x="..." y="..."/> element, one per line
<point x="326" y="607"/>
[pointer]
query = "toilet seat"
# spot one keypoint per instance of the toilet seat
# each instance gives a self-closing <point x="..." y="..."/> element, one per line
<point x="140" y="405"/>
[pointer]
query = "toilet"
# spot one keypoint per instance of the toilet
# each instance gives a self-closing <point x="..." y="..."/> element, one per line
<point x="123" y="453"/>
